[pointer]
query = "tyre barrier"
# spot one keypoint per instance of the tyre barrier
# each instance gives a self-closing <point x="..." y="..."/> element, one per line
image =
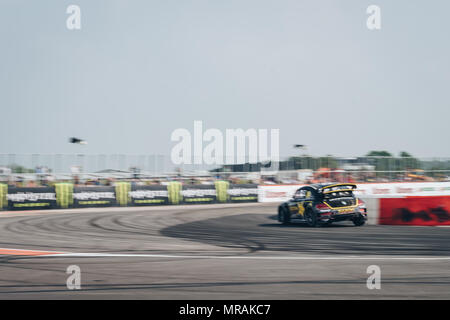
<point x="3" y="198"/>
<point x="66" y="195"/>
<point x="388" y="210"/>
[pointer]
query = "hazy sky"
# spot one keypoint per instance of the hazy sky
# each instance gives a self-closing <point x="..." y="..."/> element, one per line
<point x="137" y="70"/>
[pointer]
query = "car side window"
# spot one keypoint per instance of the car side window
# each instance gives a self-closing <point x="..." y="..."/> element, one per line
<point x="300" y="194"/>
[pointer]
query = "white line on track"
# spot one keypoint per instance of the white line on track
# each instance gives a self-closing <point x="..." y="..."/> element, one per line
<point x="31" y="253"/>
<point x="126" y="255"/>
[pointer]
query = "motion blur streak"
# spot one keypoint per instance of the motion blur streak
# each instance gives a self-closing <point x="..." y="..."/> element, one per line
<point x="232" y="251"/>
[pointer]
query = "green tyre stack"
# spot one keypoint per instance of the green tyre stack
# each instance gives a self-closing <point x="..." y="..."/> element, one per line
<point x="222" y="190"/>
<point x="174" y="191"/>
<point x="64" y="195"/>
<point x="123" y="193"/>
<point x="3" y="196"/>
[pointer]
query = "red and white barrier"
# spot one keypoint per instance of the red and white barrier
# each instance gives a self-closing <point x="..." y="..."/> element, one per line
<point x="280" y="193"/>
<point x="417" y="211"/>
<point x="277" y="193"/>
<point x="403" y="189"/>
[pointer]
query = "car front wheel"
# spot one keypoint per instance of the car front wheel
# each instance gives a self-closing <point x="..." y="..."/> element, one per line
<point x="284" y="216"/>
<point x="311" y="218"/>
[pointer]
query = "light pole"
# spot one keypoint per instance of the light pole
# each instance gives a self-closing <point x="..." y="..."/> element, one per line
<point x="301" y="147"/>
<point x="78" y="169"/>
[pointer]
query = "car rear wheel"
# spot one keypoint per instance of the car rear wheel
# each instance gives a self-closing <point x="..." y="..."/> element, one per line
<point x="360" y="221"/>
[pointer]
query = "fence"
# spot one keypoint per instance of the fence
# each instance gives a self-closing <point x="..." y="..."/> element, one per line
<point x="290" y="169"/>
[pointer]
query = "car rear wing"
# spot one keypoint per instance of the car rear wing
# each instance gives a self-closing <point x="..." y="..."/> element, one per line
<point x="338" y="187"/>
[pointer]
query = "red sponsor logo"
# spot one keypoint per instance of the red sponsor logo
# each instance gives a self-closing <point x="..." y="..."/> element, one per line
<point x="419" y="211"/>
<point x="381" y="190"/>
<point x="405" y="190"/>
<point x="274" y="194"/>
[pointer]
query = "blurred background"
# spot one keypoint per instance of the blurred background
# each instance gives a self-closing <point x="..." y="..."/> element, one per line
<point x="28" y="170"/>
<point x="138" y="70"/>
<point x="135" y="72"/>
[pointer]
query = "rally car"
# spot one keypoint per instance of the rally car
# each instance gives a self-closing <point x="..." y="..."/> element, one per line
<point x="322" y="204"/>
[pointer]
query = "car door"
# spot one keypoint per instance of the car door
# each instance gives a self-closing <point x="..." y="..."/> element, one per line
<point x="296" y="205"/>
<point x="309" y="199"/>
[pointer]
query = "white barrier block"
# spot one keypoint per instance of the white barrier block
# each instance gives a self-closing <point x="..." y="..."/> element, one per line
<point x="373" y="209"/>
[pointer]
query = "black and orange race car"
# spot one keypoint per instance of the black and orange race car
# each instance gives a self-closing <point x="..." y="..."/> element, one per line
<point x="322" y="204"/>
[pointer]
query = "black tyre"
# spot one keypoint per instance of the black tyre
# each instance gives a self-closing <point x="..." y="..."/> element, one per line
<point x="284" y="216"/>
<point x="280" y="214"/>
<point x="311" y="218"/>
<point x="360" y="221"/>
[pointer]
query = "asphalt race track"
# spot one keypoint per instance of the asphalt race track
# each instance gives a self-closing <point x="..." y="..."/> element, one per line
<point x="232" y="251"/>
